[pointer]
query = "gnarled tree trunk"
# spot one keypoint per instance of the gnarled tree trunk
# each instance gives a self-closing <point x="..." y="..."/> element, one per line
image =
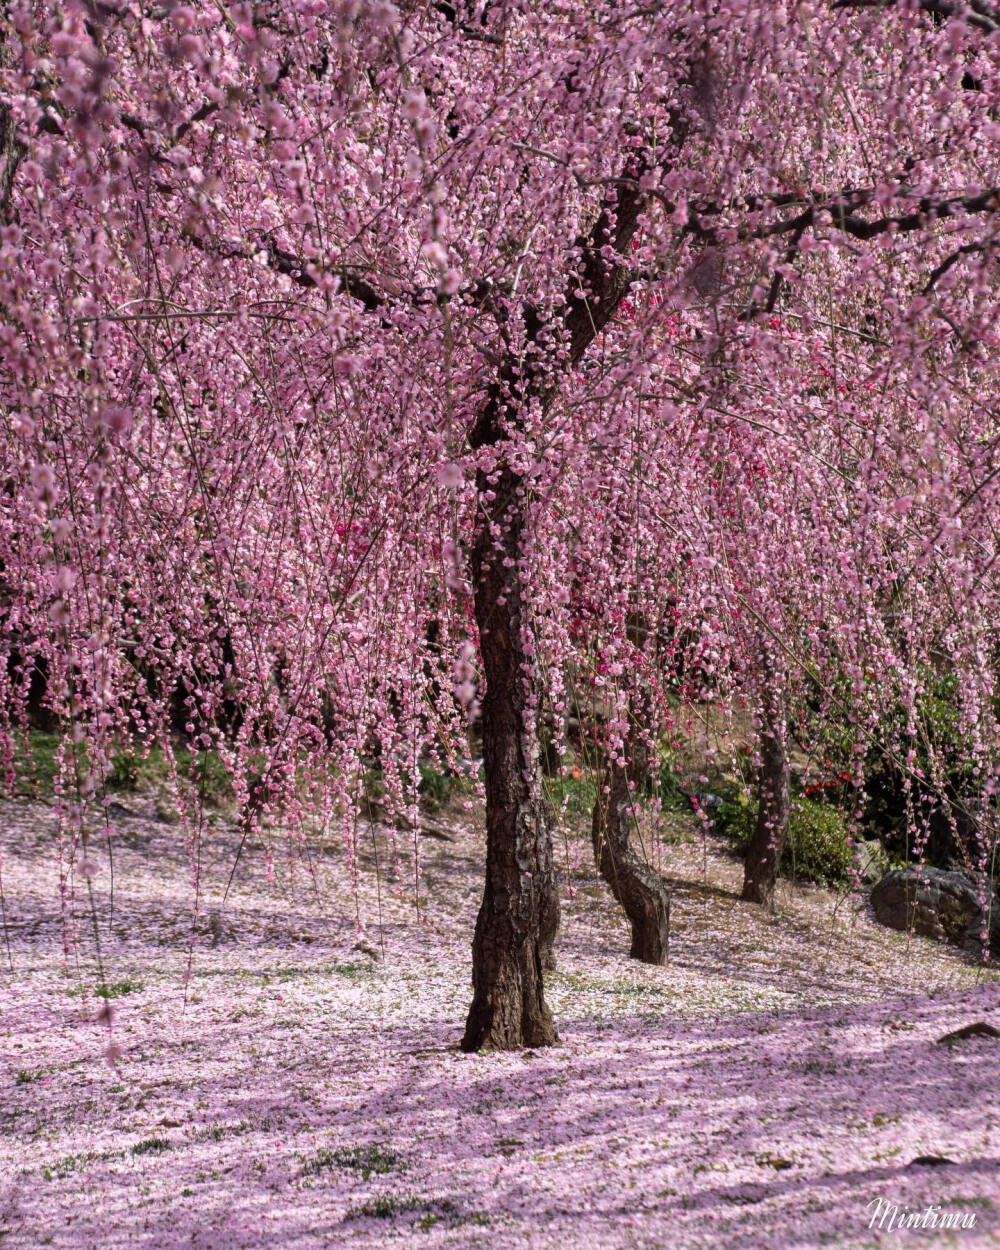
<point x="763" y="853"/>
<point x="520" y="910"/>
<point x="639" y="889"/>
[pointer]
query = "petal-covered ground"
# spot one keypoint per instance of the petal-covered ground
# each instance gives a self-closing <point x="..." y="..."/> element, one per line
<point x="278" y="1086"/>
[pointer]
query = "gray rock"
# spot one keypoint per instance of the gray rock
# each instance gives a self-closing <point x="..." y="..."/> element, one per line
<point x="707" y="802"/>
<point x="979" y="1029"/>
<point x="870" y="860"/>
<point x="937" y="903"/>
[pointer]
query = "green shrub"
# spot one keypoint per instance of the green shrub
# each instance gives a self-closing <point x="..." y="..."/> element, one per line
<point x="735" y="820"/>
<point x="212" y="775"/>
<point x="124" y="772"/>
<point x="818" y="843"/>
<point x="939" y="735"/>
<point x="941" y="784"/>
<point x="670" y="788"/>
<point x="817" y="848"/>
<point x="575" y="787"/>
<point x="436" y="788"/>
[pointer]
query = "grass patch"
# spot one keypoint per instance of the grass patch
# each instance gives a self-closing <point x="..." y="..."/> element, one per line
<point x="118" y="989"/>
<point x="218" y="1132"/>
<point x="369" y="1160"/>
<point x="35" y="766"/>
<point x="112" y="989"/>
<point x="619" y="988"/>
<point x="353" y="972"/>
<point x="78" y="1162"/>
<point x="436" y="1211"/>
<point x="385" y="1206"/>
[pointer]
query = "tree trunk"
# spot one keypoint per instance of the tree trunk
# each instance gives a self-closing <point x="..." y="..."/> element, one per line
<point x="12" y="148"/>
<point x="519" y="914"/>
<point x="639" y="889"/>
<point x="763" y="852"/>
<point x="520" y="909"/>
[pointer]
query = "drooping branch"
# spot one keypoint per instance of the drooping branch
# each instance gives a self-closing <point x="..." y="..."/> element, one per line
<point x="841" y="213"/>
<point x="352" y="282"/>
<point x="302" y="273"/>
<point x="606" y="284"/>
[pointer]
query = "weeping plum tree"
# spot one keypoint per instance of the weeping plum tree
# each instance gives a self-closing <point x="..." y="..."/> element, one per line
<point x="327" y="321"/>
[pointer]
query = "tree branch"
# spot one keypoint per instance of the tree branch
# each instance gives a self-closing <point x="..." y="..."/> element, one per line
<point x="969" y="249"/>
<point x="843" y="213"/>
<point x="593" y="296"/>
<point x="604" y="285"/>
<point x="977" y="13"/>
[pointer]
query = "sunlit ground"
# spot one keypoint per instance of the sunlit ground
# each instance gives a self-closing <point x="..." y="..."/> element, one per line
<point x="765" y="1089"/>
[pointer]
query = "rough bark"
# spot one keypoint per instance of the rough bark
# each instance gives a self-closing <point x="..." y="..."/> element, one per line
<point x="12" y="148"/>
<point x="763" y="852"/>
<point x="520" y="910"/>
<point x="639" y="889"/>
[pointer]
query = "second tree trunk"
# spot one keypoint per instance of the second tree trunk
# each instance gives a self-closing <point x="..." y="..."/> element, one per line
<point x="763" y="853"/>
<point x="639" y="889"/>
